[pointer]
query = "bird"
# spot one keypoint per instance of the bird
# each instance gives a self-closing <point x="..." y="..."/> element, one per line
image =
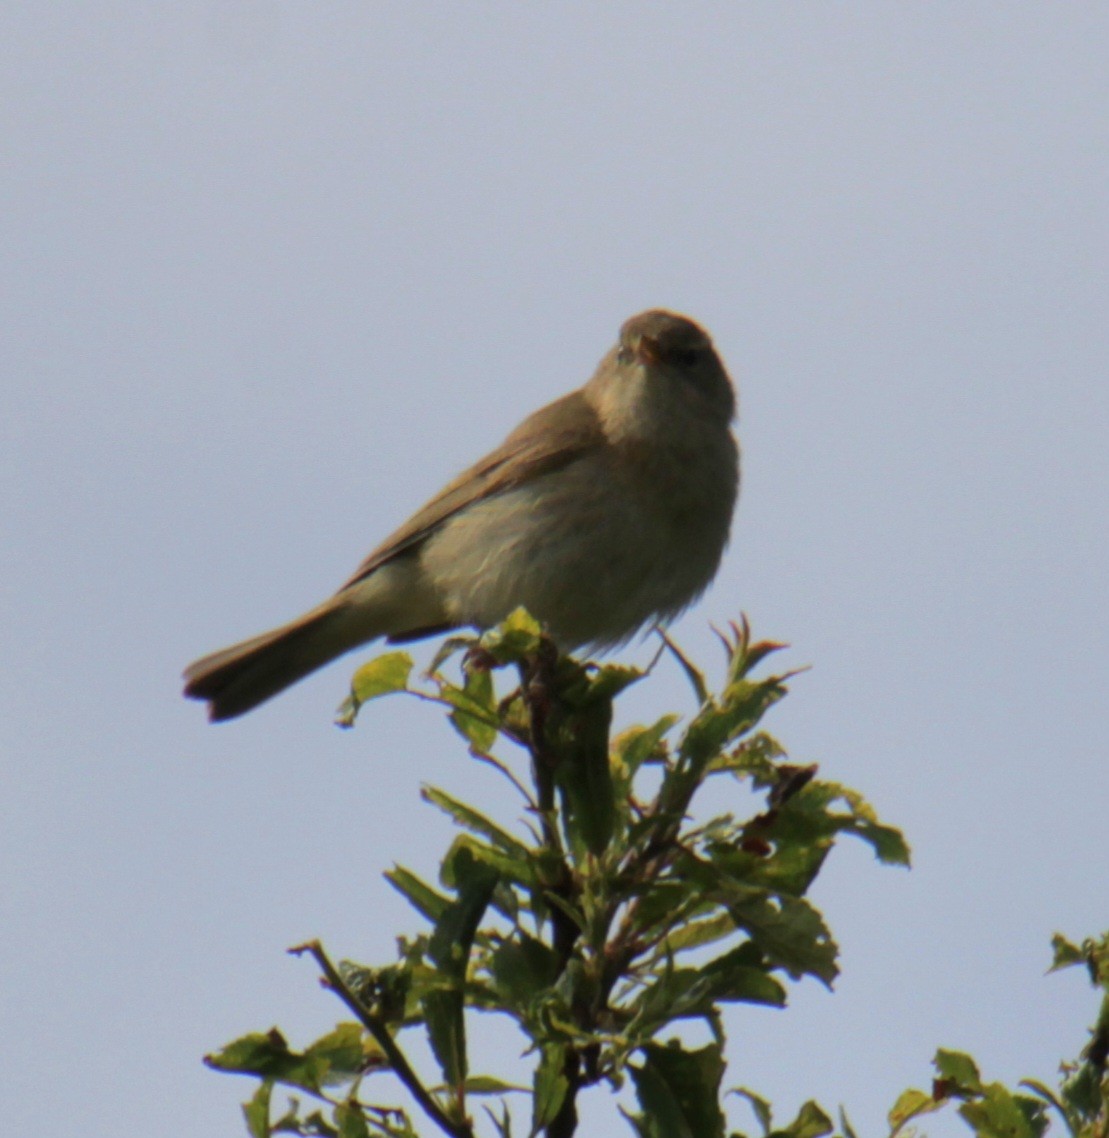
<point x="602" y="513"/>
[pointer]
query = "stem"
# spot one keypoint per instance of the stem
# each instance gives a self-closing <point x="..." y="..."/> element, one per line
<point x="539" y="690"/>
<point x="384" y="1039"/>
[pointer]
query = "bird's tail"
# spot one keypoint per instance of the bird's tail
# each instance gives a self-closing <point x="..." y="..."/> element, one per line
<point x="238" y="678"/>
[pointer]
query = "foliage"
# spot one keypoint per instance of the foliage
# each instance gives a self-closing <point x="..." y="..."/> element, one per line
<point x="617" y="919"/>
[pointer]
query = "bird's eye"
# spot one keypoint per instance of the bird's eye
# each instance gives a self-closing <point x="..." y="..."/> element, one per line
<point x="624" y="355"/>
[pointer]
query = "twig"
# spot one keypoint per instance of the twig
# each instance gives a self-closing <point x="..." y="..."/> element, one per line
<point x="384" y="1039"/>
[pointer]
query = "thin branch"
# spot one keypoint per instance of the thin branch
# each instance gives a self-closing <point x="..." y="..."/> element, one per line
<point x="384" y="1039"/>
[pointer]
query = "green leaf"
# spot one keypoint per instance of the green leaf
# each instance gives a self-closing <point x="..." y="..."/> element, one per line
<point x="759" y="1105"/>
<point x="679" y="1091"/>
<point x="695" y="934"/>
<point x="256" y="1112"/>
<point x="449" y="948"/>
<point x="523" y="968"/>
<point x="632" y="748"/>
<point x="959" y="1069"/>
<point x="790" y="932"/>
<point x="503" y="1123"/>
<point x="451" y="646"/>
<point x="351" y="1121"/>
<point x="609" y="680"/>
<point x="508" y="868"/>
<point x="450" y="943"/>
<point x="811" y="1122"/>
<point x="383" y="675"/>
<point x="695" y="676"/>
<point x="1064" y="954"/>
<point x="911" y="1104"/>
<point x="583" y="775"/>
<point x="446" y="1031"/>
<point x="474" y="716"/>
<point x="467" y="817"/>
<point x="488" y="1085"/>
<point x="731" y="978"/>
<point x="1048" y="1096"/>
<point x="333" y="1058"/>
<point x="425" y="900"/>
<point x="551" y="1086"/>
<point x="515" y="638"/>
<point x="1001" y="1114"/>
<point x="741" y="705"/>
<point x="888" y="843"/>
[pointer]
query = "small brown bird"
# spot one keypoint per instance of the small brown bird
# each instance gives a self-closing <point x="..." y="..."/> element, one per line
<point x="605" y="510"/>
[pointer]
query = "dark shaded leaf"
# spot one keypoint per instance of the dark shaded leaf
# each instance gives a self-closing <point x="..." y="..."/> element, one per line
<point x="679" y="1092"/>
<point x="584" y="776"/>
<point x="446" y="1031"/>
<point x="1064" y="954"/>
<point x="449" y="948"/>
<point x="351" y="1121"/>
<point x="333" y="1058"/>
<point x="731" y="978"/>
<point x="523" y="968"/>
<point x="790" y="932"/>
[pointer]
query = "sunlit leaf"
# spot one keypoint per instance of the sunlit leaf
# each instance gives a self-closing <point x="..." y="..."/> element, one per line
<point x="477" y="823"/>
<point x="421" y="896"/>
<point x="910" y="1104"/>
<point x="811" y="1122"/>
<point x="474" y="716"/>
<point x="515" y="638"/>
<point x="959" y="1069"/>
<point x="380" y="676"/>
<point x="759" y="1105"/>
<point x="256" y="1111"/>
<point x="1001" y="1114"/>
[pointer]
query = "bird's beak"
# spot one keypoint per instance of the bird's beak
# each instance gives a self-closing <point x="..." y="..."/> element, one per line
<point x="646" y="350"/>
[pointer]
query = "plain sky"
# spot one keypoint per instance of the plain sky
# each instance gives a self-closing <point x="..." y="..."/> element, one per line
<point x="271" y="272"/>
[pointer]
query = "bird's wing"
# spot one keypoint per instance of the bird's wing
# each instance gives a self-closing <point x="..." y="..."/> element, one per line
<point x="553" y="437"/>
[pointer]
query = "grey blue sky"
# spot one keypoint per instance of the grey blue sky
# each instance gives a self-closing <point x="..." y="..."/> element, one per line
<point x="271" y="272"/>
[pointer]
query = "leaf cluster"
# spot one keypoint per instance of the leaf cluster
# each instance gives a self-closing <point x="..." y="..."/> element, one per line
<point x="611" y="914"/>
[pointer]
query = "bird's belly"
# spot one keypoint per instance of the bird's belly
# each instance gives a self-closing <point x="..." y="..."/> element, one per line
<point x="594" y="566"/>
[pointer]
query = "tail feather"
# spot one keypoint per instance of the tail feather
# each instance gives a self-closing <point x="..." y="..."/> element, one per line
<point x="237" y="679"/>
